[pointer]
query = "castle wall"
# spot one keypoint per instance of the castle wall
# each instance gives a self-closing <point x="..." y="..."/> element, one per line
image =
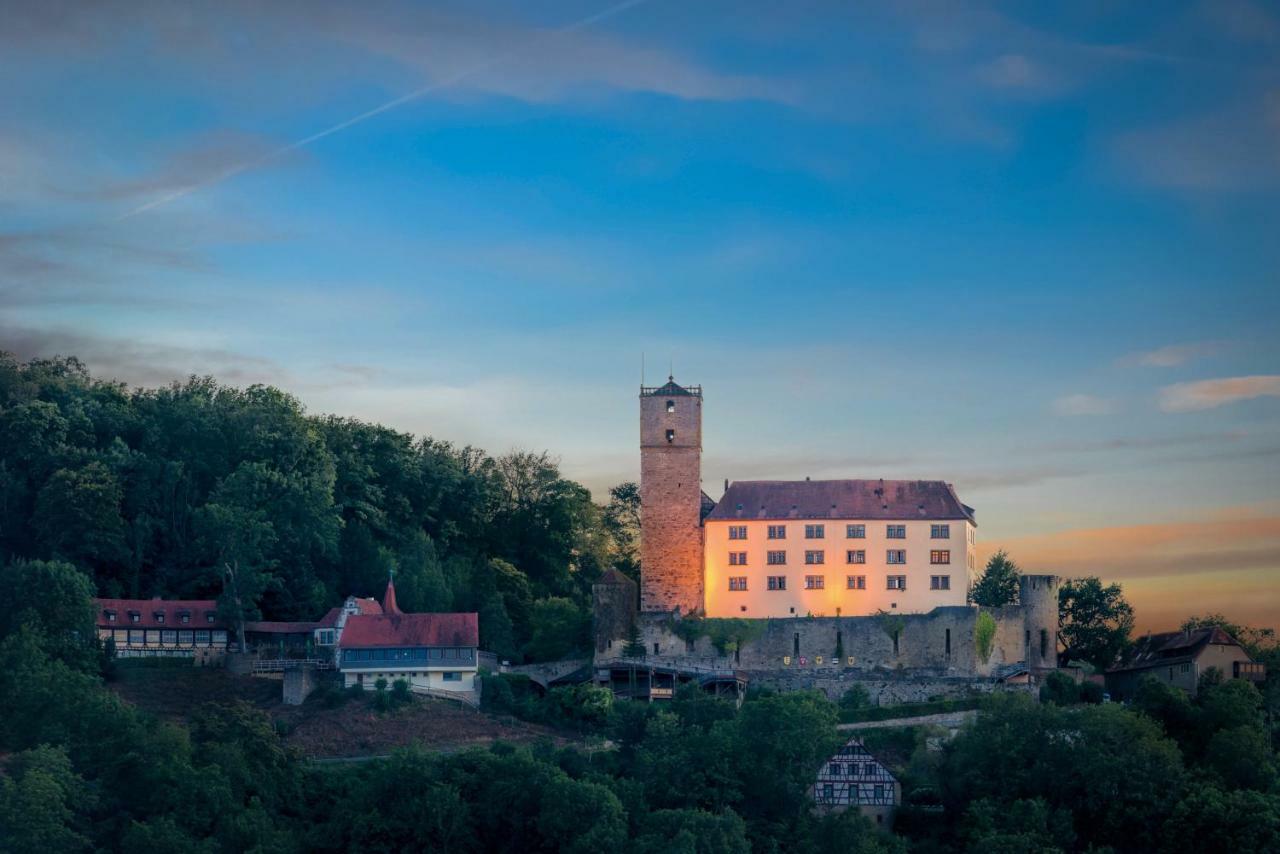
<point x="937" y="646"/>
<point x="671" y="503"/>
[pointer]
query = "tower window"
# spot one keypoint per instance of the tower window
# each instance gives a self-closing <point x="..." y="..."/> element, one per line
<point x="671" y="406"/>
<point x="671" y="435"/>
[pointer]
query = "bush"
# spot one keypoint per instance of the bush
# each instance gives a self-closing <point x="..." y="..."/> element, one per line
<point x="857" y="697"/>
<point x="381" y="699"/>
<point x="1059" y="688"/>
<point x="400" y="693"/>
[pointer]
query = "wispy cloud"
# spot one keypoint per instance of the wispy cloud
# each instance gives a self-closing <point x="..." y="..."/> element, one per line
<point x="1173" y="355"/>
<point x="1207" y="394"/>
<point x="1082" y="404"/>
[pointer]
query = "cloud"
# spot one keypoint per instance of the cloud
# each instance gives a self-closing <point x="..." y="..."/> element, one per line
<point x="1169" y="569"/>
<point x="1236" y="149"/>
<point x="1172" y="355"/>
<point x="1207" y="394"/>
<point x="1082" y="404"/>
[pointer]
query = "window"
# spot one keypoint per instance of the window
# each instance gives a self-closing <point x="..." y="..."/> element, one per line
<point x="326" y="637"/>
<point x="671" y="436"/>
<point x="209" y="616"/>
<point x="814" y="558"/>
<point x="111" y="616"/>
<point x="737" y="532"/>
<point x="835" y="769"/>
<point x="895" y="556"/>
<point x="939" y="582"/>
<point x="940" y="556"/>
<point x="656" y="648"/>
<point x="120" y="636"/>
<point x="220" y="637"/>
<point x="856" y="582"/>
<point x="815" y="532"/>
<point x="159" y="616"/>
<point x="671" y="406"/>
<point x="169" y="637"/>
<point x="135" y="637"/>
<point x="184" y="618"/>
<point x="969" y="535"/>
<point x="1186" y="666"/>
<point x="776" y="558"/>
<point x="453" y="676"/>
<point x="184" y="638"/>
<point x="777" y="532"/>
<point x="828" y="792"/>
<point x="153" y="636"/>
<point x="897" y="582"/>
<point x="855" y="556"/>
<point x="855" y="532"/>
<point x="939" y="532"/>
<point x="135" y="617"/>
<point x="970" y="560"/>
<point x="896" y="532"/>
<point x="738" y="582"/>
<point x="202" y="637"/>
<point x="814" y="582"/>
<point x="777" y="582"/>
<point x="737" y="558"/>
<point x="1044" y="647"/>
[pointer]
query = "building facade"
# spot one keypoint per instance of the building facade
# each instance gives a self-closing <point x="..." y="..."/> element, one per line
<point x="431" y="652"/>
<point x="161" y="627"/>
<point x="855" y="778"/>
<point x="837" y="547"/>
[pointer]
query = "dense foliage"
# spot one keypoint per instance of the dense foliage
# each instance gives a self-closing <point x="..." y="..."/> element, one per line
<point x="998" y="583"/>
<point x="161" y="492"/>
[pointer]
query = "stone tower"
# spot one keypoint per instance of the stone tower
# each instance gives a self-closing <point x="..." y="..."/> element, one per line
<point x="1038" y="596"/>
<point x="671" y="498"/>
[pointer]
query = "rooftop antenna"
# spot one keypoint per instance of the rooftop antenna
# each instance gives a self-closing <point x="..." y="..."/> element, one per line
<point x="642" y="369"/>
<point x="671" y="369"/>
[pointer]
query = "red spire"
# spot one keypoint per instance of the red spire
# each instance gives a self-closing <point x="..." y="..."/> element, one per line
<point x="389" y="598"/>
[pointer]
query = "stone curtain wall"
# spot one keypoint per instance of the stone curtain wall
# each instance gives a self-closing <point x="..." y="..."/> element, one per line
<point x="922" y="642"/>
<point x="671" y="504"/>
<point x="614" y="611"/>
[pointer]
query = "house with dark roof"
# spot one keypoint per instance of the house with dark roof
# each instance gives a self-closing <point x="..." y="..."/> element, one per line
<point x="144" y="628"/>
<point x="853" y="778"/>
<point x="309" y="637"/>
<point x="431" y="652"/>
<point x="1180" y="659"/>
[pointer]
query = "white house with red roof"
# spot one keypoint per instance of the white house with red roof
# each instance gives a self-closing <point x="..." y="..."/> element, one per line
<point x="431" y="652"/>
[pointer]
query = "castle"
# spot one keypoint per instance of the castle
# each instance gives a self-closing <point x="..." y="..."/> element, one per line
<point x="833" y="576"/>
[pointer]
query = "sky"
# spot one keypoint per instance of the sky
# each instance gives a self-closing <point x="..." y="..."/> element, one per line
<point x="1031" y="251"/>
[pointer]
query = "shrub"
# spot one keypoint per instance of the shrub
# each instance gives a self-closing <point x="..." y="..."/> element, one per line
<point x="984" y="636"/>
<point x="400" y="694"/>
<point x="857" y="697"/>
<point x="1059" y="688"/>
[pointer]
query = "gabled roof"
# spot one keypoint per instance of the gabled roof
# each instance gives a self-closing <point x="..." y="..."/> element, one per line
<point x="377" y="630"/>
<point x="1172" y="647"/>
<point x="840" y="499"/>
<point x="147" y="609"/>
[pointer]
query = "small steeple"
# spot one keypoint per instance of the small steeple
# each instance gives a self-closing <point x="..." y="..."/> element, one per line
<point x="389" y="598"/>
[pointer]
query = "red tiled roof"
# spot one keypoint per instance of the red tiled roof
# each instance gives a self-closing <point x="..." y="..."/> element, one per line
<point x="840" y="499"/>
<point x="148" y="608"/>
<point x="411" y="630"/>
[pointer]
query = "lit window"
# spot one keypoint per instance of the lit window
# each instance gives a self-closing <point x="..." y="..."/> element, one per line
<point x="776" y="558"/>
<point x="777" y="582"/>
<point x="814" y="582"/>
<point x="940" y="532"/>
<point x="940" y="556"/>
<point x="897" y="582"/>
<point x="671" y="436"/>
<point x="855" y="556"/>
<point x="895" y="556"/>
<point x="738" y="582"/>
<point x="814" y="532"/>
<point x="737" y="558"/>
<point x="855" y="532"/>
<point x="856" y="582"/>
<point x="814" y="558"/>
<point x="737" y="532"/>
<point x="777" y="532"/>
<point x="939" y="582"/>
<point x="671" y="406"/>
<point x="896" y="532"/>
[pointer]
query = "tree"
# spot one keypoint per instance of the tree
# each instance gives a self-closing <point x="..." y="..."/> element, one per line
<point x="690" y="831"/>
<point x="38" y="801"/>
<point x="1241" y="757"/>
<point x="1094" y="622"/>
<point x="622" y="521"/>
<point x="998" y="584"/>
<point x="560" y="627"/>
<point x="77" y="516"/>
<point x="55" y="601"/>
<point x="581" y="818"/>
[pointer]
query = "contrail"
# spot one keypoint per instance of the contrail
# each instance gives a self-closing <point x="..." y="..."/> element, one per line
<point x="236" y="169"/>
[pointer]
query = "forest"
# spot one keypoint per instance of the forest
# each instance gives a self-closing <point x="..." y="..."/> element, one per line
<point x="157" y="492"/>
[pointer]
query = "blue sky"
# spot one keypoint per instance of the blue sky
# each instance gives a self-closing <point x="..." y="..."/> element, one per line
<point x="1033" y="253"/>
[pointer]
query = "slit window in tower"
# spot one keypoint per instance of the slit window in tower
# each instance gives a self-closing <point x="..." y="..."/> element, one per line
<point x="948" y="643"/>
<point x="671" y="435"/>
